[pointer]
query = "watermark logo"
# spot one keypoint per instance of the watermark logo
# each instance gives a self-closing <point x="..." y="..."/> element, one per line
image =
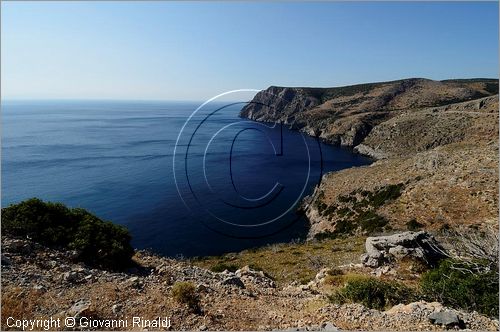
<point x="239" y="177"/>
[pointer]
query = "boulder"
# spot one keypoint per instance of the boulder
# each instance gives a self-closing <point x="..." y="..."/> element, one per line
<point x="257" y="278"/>
<point x="382" y="250"/>
<point x="247" y="271"/>
<point x="203" y="288"/>
<point x="233" y="281"/>
<point x="420" y="307"/>
<point x="321" y="275"/>
<point x="446" y="318"/>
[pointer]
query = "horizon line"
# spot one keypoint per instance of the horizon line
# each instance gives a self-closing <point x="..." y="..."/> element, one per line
<point x="10" y="99"/>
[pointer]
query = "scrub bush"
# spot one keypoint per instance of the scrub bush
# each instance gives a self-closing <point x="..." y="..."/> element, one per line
<point x="97" y="242"/>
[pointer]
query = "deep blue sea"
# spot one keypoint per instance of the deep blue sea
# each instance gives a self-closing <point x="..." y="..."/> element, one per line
<point x="187" y="185"/>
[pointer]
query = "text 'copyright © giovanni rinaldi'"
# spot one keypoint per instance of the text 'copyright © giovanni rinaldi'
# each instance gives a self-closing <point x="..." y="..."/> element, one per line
<point x="87" y="322"/>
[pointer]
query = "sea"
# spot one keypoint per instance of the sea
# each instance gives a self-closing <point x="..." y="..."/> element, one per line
<point x="186" y="178"/>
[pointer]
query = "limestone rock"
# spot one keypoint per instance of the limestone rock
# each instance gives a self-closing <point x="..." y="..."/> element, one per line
<point x="135" y="282"/>
<point x="254" y="277"/>
<point x="383" y="250"/>
<point x="329" y="327"/>
<point x="447" y="318"/>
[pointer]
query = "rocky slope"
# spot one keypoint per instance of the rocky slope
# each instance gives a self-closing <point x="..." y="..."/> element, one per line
<point x="419" y="130"/>
<point x="437" y="143"/>
<point x="453" y="185"/>
<point x="444" y="160"/>
<point x="40" y="282"/>
<point x="345" y="115"/>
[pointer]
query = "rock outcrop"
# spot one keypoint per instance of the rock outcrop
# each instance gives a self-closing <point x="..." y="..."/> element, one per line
<point x="420" y="246"/>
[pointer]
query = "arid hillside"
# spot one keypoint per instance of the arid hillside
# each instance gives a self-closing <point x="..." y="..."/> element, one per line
<point x="437" y="142"/>
<point x="345" y="115"/>
<point x="441" y="165"/>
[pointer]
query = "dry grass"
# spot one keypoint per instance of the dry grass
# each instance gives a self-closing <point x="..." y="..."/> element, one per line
<point x="289" y="262"/>
<point x="20" y="304"/>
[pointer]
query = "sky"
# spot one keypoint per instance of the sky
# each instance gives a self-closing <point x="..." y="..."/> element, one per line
<point x="196" y="50"/>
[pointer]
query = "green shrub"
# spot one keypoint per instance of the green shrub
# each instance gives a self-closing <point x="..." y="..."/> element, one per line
<point x="371" y="222"/>
<point x="185" y="293"/>
<point x="97" y="242"/>
<point x="343" y="211"/>
<point x="384" y="194"/>
<point x="344" y="227"/>
<point x="371" y="292"/>
<point x="329" y="210"/>
<point x="347" y="199"/>
<point x="359" y="214"/>
<point x="321" y="206"/>
<point x="220" y="267"/>
<point x="463" y="285"/>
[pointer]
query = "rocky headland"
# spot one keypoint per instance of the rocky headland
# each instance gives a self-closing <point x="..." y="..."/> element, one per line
<point x="346" y="115"/>
<point x="435" y="142"/>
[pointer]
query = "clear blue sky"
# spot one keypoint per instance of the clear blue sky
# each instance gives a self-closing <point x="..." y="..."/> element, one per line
<point x="193" y="51"/>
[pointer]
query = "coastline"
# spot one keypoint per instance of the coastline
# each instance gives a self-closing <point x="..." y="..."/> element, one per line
<point x="413" y="148"/>
<point x="294" y="285"/>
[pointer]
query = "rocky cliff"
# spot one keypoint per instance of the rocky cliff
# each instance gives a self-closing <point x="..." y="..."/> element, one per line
<point x="345" y="115"/>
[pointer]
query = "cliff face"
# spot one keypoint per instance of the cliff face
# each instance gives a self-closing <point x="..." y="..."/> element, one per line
<point x="438" y="141"/>
<point x="346" y="115"/>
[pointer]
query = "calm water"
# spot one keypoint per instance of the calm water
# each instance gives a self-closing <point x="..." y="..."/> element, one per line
<point x="116" y="159"/>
